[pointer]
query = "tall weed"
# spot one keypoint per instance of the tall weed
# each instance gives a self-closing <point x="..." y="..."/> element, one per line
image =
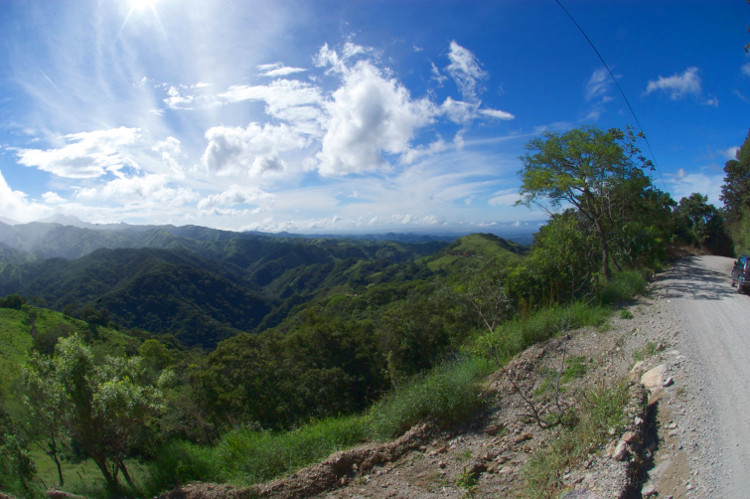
<point x="446" y="395"/>
<point x="624" y="286"/>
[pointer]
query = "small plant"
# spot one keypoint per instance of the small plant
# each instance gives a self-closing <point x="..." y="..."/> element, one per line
<point x="626" y="314"/>
<point x="468" y="481"/>
<point x="576" y="368"/>
<point x="648" y="350"/>
<point x="600" y="409"/>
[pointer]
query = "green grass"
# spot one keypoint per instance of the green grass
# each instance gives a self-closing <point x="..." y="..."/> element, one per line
<point x="446" y="395"/>
<point x="575" y="368"/>
<point x="623" y="287"/>
<point x="516" y="335"/>
<point x="648" y="350"/>
<point x="83" y="477"/>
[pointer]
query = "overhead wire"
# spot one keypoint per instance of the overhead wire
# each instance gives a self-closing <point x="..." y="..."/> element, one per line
<point x="617" y="84"/>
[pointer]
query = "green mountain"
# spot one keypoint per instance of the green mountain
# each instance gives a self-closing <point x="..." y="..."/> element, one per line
<point x="204" y="285"/>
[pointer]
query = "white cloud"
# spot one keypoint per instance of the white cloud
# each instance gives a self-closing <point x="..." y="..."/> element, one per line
<point x="254" y="149"/>
<point x="466" y="70"/>
<point x="52" y="198"/>
<point x="497" y="114"/>
<point x="459" y="111"/>
<point x="87" y="154"/>
<point x="729" y="152"/>
<point x="368" y="115"/>
<point x="145" y="190"/>
<point x="16" y="206"/>
<point x="278" y="69"/>
<point x="235" y="195"/>
<point x="506" y="197"/>
<point x="598" y="86"/>
<point x="745" y="69"/>
<point x="684" y="184"/>
<point x="678" y="86"/>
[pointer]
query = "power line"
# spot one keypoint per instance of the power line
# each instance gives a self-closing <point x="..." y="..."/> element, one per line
<point x="624" y="97"/>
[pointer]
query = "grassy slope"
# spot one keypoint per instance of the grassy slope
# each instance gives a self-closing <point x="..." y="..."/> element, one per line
<point x="19" y="328"/>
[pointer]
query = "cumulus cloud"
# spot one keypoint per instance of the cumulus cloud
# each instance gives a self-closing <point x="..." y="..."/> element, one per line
<point x="683" y="184"/>
<point x="466" y="70"/>
<point x="15" y="205"/>
<point x="87" y="154"/>
<point x="367" y="115"/>
<point x="677" y="86"/>
<point x="52" y="198"/>
<point x="254" y="149"/>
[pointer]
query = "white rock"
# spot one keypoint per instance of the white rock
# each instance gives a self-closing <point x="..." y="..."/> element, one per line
<point x="654" y="378"/>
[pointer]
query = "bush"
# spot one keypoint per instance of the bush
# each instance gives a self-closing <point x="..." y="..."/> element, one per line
<point x="15" y="302"/>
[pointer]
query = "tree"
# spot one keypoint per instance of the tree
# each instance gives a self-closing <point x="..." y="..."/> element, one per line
<point x="104" y="407"/>
<point x="43" y="398"/>
<point x="17" y="470"/>
<point x="735" y="193"/>
<point x="585" y="168"/>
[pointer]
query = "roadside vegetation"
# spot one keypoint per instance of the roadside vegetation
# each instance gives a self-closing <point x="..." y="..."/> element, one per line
<point x="381" y="346"/>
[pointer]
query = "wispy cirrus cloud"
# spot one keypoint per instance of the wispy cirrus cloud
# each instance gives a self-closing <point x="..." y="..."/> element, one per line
<point x="466" y="70"/>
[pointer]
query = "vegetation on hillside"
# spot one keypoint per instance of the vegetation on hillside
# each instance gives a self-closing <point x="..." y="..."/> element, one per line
<point x="236" y="358"/>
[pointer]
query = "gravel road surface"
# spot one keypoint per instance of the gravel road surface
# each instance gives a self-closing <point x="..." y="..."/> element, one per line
<point x="710" y="416"/>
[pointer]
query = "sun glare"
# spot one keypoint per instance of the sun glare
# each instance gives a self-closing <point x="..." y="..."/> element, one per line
<point x="141" y="5"/>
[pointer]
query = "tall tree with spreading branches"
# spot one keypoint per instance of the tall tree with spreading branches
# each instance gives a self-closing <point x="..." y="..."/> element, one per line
<point x="586" y="168"/>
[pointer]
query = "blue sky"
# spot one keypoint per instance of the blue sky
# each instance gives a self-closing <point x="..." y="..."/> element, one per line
<point x="364" y="116"/>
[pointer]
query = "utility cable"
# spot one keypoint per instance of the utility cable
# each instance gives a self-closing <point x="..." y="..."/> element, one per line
<point x="622" y="93"/>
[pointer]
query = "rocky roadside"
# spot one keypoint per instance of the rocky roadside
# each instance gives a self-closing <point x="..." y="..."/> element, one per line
<point x="659" y="454"/>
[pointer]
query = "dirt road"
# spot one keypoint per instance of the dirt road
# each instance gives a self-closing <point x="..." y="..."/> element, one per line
<point x="712" y="422"/>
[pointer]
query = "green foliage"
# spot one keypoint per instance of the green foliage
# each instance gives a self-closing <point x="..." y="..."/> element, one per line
<point x="106" y="408"/>
<point x="17" y="469"/>
<point x="179" y="462"/>
<point x="602" y="409"/>
<point x="13" y="301"/>
<point x="246" y="456"/>
<point x="445" y="395"/>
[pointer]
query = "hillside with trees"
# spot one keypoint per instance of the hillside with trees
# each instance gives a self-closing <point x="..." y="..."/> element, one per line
<point x="216" y="356"/>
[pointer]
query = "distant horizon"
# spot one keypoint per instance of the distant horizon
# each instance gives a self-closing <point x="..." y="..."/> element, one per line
<point x="510" y="231"/>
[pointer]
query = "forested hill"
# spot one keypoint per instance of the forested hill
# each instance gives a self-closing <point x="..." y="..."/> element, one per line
<point x="200" y="285"/>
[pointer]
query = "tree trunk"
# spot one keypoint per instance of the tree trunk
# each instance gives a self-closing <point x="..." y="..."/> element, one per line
<point x="125" y="473"/>
<point x="605" y="250"/>
<point x="101" y="463"/>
